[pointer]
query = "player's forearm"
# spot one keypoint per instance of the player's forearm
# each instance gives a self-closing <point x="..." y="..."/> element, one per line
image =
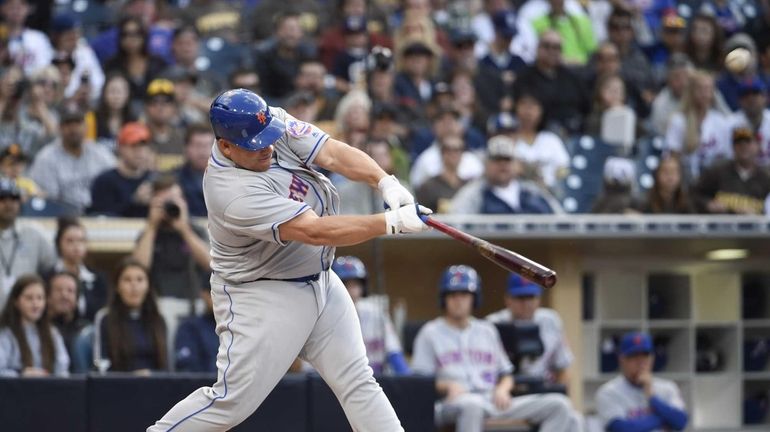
<point x="505" y="384"/>
<point x="562" y="376"/>
<point x="351" y="162"/>
<point x="344" y="230"/>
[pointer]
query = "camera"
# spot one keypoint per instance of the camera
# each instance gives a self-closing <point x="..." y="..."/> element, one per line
<point x="380" y="59"/>
<point x="172" y="210"/>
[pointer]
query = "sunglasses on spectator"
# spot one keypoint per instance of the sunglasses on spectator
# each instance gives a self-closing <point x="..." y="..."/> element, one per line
<point x="49" y="83"/>
<point x="551" y="45"/>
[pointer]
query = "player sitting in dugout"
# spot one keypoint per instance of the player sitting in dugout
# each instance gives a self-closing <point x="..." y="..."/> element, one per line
<point x="522" y="303"/>
<point x="473" y="374"/>
<point x="635" y="400"/>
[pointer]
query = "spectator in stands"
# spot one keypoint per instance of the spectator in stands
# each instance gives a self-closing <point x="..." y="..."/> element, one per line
<point x="351" y="119"/>
<point x="130" y="334"/>
<point x="185" y="50"/>
<point x="114" y="109"/>
<point x="191" y="106"/>
<point x="277" y="59"/>
<point x="565" y="100"/>
<point x="540" y="153"/>
<point x="62" y="310"/>
<point x="383" y="349"/>
<point x="472" y="113"/>
<point x="437" y="192"/>
<point x="38" y="109"/>
<point x="332" y="40"/>
<point x="416" y="62"/>
<point x="67" y="39"/>
<point x="606" y="62"/>
<point x="28" y="135"/>
<point x="13" y="166"/>
<point x="245" y="78"/>
<point x="24" y="248"/>
<point x="29" y="345"/>
<point x="574" y="28"/>
<point x="671" y="41"/>
<point x="699" y="132"/>
<point x="428" y="164"/>
<point x="196" y="343"/>
<point x="162" y="117"/>
<point x="313" y="16"/>
<point x="522" y="303"/>
<point x="617" y="190"/>
<point x="197" y="151"/>
<point x="736" y="186"/>
<point x="636" y="400"/>
<point x="125" y="191"/>
<point x="635" y="68"/>
<point x="669" y="194"/>
<point x="500" y="58"/>
<point x="214" y="19"/>
<point x="29" y="49"/>
<point x="134" y="60"/>
<point x="668" y="101"/>
<point x="755" y="115"/>
<point x="473" y="373"/>
<point x="499" y="191"/>
<point x="729" y="82"/>
<point x="610" y="99"/>
<point x="65" y="169"/>
<point x="704" y="44"/>
<point x="311" y="79"/>
<point x="72" y="249"/>
<point x="174" y="250"/>
<point x="349" y="66"/>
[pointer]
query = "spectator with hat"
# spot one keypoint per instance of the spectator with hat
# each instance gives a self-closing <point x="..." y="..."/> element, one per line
<point x="499" y="57"/>
<point x="125" y="191"/>
<point x="522" y="303"/>
<point x="332" y="39"/>
<point x="162" y="117"/>
<point x="416" y="62"/>
<point x="28" y="48"/>
<point x="65" y="168"/>
<point x="755" y="114"/>
<point x="739" y="185"/>
<point x="13" y="166"/>
<point x="67" y="39"/>
<point x="24" y="248"/>
<point x="349" y="65"/>
<point x="500" y="191"/>
<point x="635" y="400"/>
<point x="617" y="190"/>
<point x="731" y="81"/>
<point x="670" y="41"/>
<point x="575" y="29"/>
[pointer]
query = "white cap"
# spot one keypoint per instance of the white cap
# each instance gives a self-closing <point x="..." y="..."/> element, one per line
<point x="619" y="170"/>
<point x="500" y="146"/>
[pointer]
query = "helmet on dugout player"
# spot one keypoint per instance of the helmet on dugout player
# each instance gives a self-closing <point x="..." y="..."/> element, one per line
<point x="244" y="118"/>
<point x="350" y="267"/>
<point x="460" y="278"/>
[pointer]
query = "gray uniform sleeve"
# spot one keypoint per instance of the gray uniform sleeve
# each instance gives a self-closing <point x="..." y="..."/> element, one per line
<point x="259" y="214"/>
<point x="607" y="407"/>
<point x="304" y="139"/>
<point x="673" y="396"/>
<point x="423" y="358"/>
<point x="62" y="365"/>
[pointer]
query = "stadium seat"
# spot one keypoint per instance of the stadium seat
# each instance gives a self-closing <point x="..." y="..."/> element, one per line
<point x="648" y="154"/>
<point x="584" y="182"/>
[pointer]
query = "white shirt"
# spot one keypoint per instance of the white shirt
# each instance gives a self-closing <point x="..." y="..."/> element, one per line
<point x="548" y="152"/>
<point x="557" y="354"/>
<point x="715" y="140"/>
<point x="31" y="50"/>
<point x="740" y="119"/>
<point x="428" y="164"/>
<point x="509" y="194"/>
<point x="86" y="63"/>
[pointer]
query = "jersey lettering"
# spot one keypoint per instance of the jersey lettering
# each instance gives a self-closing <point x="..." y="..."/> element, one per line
<point x="298" y="189"/>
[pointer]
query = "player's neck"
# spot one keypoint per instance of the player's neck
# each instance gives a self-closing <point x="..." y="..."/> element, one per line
<point x="460" y="323"/>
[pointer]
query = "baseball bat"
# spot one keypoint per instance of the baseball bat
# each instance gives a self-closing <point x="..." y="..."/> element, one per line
<point x="501" y="256"/>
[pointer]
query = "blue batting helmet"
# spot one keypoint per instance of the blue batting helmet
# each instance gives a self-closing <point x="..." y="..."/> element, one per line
<point x="350" y="267"/>
<point x="460" y="278"/>
<point x="243" y="118"/>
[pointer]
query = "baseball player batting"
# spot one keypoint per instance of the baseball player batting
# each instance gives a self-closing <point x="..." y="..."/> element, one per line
<point x="274" y="227"/>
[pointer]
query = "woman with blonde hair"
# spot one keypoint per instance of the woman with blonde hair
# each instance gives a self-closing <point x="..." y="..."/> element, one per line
<point x="699" y="131"/>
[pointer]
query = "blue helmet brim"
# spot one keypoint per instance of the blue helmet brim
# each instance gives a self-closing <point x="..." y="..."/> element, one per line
<point x="269" y="135"/>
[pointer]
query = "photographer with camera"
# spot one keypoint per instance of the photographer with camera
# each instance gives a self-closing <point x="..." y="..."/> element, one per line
<point x="175" y="250"/>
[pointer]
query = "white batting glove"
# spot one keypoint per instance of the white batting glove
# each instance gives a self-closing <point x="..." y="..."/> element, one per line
<point x="406" y="219"/>
<point x="394" y="194"/>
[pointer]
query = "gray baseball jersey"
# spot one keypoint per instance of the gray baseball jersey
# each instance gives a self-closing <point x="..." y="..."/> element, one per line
<point x="378" y="331"/>
<point x="557" y="354"/>
<point x="246" y="209"/>
<point x="619" y="399"/>
<point x="473" y="356"/>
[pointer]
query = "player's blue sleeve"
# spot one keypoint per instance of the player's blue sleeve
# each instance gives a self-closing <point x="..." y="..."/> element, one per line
<point x="397" y="362"/>
<point x="646" y="423"/>
<point x="673" y="417"/>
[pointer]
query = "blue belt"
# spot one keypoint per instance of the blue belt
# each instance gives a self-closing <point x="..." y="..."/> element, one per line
<point x="303" y="279"/>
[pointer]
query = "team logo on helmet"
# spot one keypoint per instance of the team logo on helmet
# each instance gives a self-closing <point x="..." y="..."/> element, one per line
<point x="298" y="128"/>
<point x="262" y="117"/>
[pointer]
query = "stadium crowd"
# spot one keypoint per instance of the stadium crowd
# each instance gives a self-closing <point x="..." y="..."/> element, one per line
<point x="480" y="106"/>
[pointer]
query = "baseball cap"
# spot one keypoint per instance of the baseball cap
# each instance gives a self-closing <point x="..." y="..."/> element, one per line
<point x="505" y="22"/>
<point x="15" y="152"/>
<point x="742" y="133"/>
<point x="354" y="24"/>
<point x="636" y="343"/>
<point x="63" y="22"/>
<point x="461" y="36"/>
<point x="522" y="287"/>
<point x="501" y="123"/>
<point x="133" y="133"/>
<point x="160" y="87"/>
<point x="417" y="47"/>
<point x="70" y="113"/>
<point x="500" y="147"/>
<point x="672" y="20"/>
<point x="619" y="170"/>
<point x="9" y="188"/>
<point x="752" y="85"/>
